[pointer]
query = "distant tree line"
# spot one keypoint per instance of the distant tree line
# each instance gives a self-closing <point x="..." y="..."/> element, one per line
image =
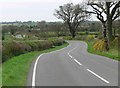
<point x="55" y="29"/>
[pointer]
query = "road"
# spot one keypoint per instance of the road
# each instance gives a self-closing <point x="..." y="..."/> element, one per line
<point x="73" y="66"/>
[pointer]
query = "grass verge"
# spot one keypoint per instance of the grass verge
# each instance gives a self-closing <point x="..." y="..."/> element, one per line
<point x="0" y="76"/>
<point x="15" y="70"/>
<point x="112" y="53"/>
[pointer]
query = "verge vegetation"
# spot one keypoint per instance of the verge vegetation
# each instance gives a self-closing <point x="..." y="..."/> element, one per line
<point x="16" y="69"/>
<point x="112" y="53"/>
<point x="91" y="40"/>
<point x="15" y="48"/>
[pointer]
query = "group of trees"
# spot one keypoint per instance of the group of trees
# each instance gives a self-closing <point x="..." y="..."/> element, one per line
<point x="45" y="29"/>
<point x="49" y="29"/>
<point x="52" y="29"/>
<point x="91" y="26"/>
<point x="107" y="11"/>
<point x="42" y="29"/>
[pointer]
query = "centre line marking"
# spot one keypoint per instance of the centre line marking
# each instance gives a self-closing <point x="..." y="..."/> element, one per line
<point x="77" y="62"/>
<point x="98" y="76"/>
<point x="70" y="56"/>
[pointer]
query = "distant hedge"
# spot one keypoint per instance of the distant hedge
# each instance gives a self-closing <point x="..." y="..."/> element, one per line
<point x="15" y="48"/>
<point x="86" y="33"/>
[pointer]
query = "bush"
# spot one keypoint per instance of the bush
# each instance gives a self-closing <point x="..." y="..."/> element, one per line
<point x="100" y="45"/>
<point x="90" y="37"/>
<point x="33" y="45"/>
<point x="13" y="48"/>
<point x="58" y="42"/>
<point x="87" y="32"/>
<point x="42" y="45"/>
<point x="67" y="38"/>
<point x="114" y="43"/>
<point x="94" y="33"/>
<point x="81" y="33"/>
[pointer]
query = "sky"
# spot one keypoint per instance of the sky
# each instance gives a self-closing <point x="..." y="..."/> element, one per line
<point x="31" y="10"/>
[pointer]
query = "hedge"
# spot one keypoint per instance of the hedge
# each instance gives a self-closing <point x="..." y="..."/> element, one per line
<point x="15" y="48"/>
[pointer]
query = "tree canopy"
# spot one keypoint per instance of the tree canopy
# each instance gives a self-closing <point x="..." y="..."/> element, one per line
<point x="72" y="15"/>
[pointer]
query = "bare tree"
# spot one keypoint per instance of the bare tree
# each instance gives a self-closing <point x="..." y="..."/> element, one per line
<point x="72" y="15"/>
<point x="107" y="11"/>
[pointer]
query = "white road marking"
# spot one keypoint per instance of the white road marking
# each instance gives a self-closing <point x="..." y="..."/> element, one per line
<point x="34" y="71"/>
<point x="70" y="56"/>
<point x="35" y="66"/>
<point x="98" y="76"/>
<point x="87" y="69"/>
<point x="71" y="50"/>
<point x="77" y="62"/>
<point x="69" y="53"/>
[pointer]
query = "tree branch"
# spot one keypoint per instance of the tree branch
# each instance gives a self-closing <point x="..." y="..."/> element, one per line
<point x="99" y="5"/>
<point x="115" y="8"/>
<point x="116" y="16"/>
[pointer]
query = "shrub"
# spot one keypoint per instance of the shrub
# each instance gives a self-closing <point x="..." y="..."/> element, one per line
<point x="13" y="48"/>
<point x="58" y="42"/>
<point x="81" y="33"/>
<point x="67" y="38"/>
<point x="42" y="45"/>
<point x="114" y="43"/>
<point x="94" y="33"/>
<point x="33" y="45"/>
<point x="24" y="47"/>
<point x="100" y="45"/>
<point x="90" y="37"/>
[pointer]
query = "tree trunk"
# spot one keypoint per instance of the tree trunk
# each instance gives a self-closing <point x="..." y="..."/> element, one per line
<point x="104" y="31"/>
<point x="109" y="21"/>
<point x="73" y="34"/>
<point x="109" y="28"/>
<point x="105" y="37"/>
<point x="106" y="44"/>
<point x="114" y="33"/>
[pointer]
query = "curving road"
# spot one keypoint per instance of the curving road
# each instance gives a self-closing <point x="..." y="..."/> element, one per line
<point x="73" y="66"/>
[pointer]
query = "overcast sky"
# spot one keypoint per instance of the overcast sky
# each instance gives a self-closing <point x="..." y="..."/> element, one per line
<point x="34" y="10"/>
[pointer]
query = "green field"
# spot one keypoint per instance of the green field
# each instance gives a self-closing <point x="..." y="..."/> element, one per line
<point x="15" y="70"/>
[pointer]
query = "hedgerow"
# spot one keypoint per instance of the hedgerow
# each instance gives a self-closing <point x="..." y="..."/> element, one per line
<point x="15" y="48"/>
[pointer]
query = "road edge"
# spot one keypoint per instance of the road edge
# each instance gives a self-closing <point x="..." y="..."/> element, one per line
<point x="32" y="66"/>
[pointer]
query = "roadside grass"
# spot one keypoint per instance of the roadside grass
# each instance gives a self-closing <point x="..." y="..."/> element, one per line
<point x="15" y="70"/>
<point x="112" y="53"/>
<point x="0" y="76"/>
<point x="0" y="62"/>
